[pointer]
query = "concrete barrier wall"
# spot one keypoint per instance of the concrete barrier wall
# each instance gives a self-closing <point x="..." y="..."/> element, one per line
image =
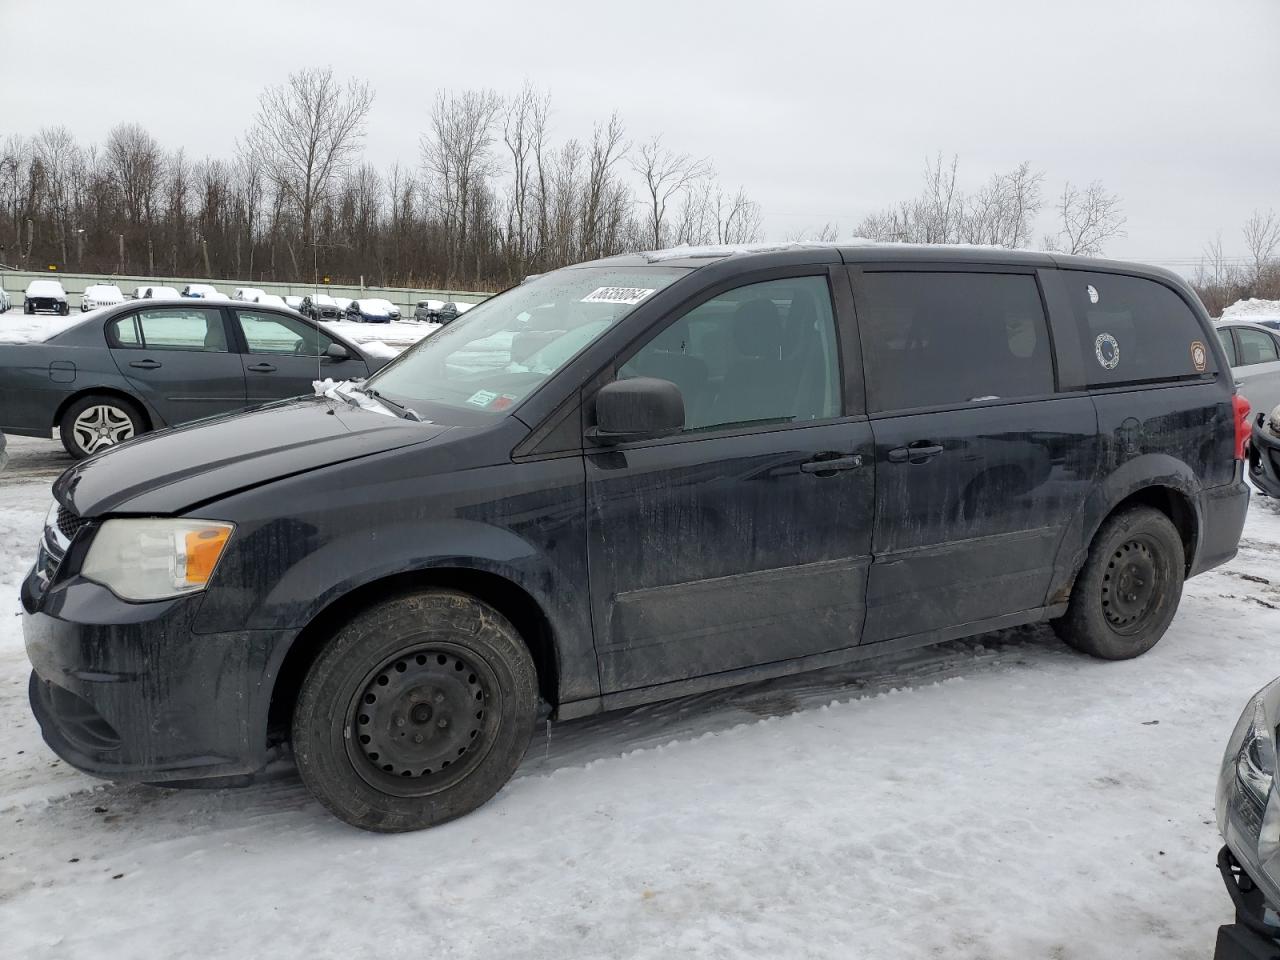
<point x="14" y="282"/>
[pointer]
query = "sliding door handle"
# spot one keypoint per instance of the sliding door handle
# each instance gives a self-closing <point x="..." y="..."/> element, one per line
<point x="919" y="452"/>
<point x="831" y="465"/>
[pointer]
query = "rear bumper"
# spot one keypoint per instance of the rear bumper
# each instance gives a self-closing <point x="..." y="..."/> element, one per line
<point x="127" y="691"/>
<point x="1222" y="512"/>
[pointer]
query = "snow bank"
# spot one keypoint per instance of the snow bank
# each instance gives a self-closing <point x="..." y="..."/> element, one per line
<point x="1252" y="310"/>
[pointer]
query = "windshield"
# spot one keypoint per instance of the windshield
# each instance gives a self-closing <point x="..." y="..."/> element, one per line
<point x="504" y="349"/>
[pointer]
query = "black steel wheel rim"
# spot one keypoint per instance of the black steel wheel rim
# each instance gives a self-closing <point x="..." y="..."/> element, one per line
<point x="423" y="719"/>
<point x="1132" y="585"/>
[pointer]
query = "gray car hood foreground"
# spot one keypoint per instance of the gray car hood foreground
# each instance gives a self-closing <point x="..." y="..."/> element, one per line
<point x="173" y="470"/>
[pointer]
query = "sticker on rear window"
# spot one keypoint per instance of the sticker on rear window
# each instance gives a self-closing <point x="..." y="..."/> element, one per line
<point x="1199" y="356"/>
<point x="482" y="398"/>
<point x="628" y="295"/>
<point x="1107" y="350"/>
<point x="1093" y="293"/>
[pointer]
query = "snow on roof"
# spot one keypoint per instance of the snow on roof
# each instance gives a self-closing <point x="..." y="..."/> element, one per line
<point x="38" y="329"/>
<point x="45" y="288"/>
<point x="1253" y="310"/>
<point x="103" y="290"/>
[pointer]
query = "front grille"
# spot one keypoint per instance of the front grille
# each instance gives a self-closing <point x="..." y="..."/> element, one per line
<point x="68" y="523"/>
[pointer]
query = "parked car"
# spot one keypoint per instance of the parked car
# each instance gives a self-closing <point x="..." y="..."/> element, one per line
<point x="248" y="294"/>
<point x="320" y="306"/>
<point x="426" y="311"/>
<point x="1248" y="808"/>
<point x="271" y="300"/>
<point x="371" y="311"/>
<point x="100" y="295"/>
<point x="203" y="291"/>
<point x="343" y="303"/>
<point x="671" y="473"/>
<point x="150" y="292"/>
<point x="123" y="371"/>
<point x="293" y="303"/>
<point x="1253" y="350"/>
<point x="452" y="310"/>
<point x="45" y="296"/>
<point x="5" y="302"/>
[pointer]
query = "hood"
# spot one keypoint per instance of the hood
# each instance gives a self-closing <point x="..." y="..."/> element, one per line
<point x="173" y="470"/>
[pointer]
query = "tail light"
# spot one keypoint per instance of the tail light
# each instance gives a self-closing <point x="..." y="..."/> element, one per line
<point x="1240" y="412"/>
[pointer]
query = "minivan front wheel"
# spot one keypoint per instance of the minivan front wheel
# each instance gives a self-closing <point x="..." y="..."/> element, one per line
<point x="1125" y="597"/>
<point x="416" y="712"/>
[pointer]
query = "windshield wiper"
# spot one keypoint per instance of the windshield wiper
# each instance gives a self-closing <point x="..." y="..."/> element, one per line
<point x="407" y="412"/>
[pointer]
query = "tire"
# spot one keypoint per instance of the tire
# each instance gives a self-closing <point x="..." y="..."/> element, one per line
<point x="416" y="755"/>
<point x="82" y="424"/>
<point x="28" y="308"/>
<point x="1128" y="591"/>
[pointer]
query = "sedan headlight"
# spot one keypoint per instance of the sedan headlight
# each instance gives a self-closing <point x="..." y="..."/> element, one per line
<point x="153" y="559"/>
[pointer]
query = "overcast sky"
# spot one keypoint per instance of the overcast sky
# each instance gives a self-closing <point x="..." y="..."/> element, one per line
<point x="823" y="111"/>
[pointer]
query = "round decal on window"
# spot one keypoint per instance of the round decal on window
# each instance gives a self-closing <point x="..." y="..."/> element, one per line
<point x="1107" y="350"/>
<point x="1199" y="356"/>
<point x="1093" y="293"/>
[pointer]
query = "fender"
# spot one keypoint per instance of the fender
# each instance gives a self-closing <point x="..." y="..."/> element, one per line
<point x="1140" y="473"/>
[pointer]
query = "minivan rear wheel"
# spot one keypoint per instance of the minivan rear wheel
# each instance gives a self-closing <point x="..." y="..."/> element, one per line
<point x="416" y="712"/>
<point x="1128" y="592"/>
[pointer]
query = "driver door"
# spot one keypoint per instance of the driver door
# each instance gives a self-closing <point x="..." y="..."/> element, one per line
<point x="283" y="356"/>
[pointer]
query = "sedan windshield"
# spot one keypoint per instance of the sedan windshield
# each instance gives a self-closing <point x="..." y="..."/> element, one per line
<point x="497" y="354"/>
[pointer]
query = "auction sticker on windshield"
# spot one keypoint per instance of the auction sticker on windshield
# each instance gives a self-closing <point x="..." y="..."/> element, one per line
<point x="482" y="398"/>
<point x="628" y="295"/>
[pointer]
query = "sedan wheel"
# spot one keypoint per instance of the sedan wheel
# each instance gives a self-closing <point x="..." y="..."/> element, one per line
<point x="96" y="423"/>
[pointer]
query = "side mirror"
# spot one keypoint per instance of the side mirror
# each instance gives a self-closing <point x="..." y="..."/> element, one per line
<point x="336" y="352"/>
<point x="639" y="408"/>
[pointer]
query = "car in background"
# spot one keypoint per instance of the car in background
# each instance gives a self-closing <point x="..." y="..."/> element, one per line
<point x="320" y="306"/>
<point x="368" y="311"/>
<point x="1248" y="809"/>
<point x="45" y="296"/>
<point x="203" y="291"/>
<point x="271" y="300"/>
<point x="293" y="302"/>
<point x="1253" y="351"/>
<point x="100" y="295"/>
<point x="392" y="309"/>
<point x="150" y="292"/>
<point x="149" y="364"/>
<point x="248" y="294"/>
<point x="343" y="303"/>
<point x="426" y="311"/>
<point x="5" y="302"/>
<point x="451" y="310"/>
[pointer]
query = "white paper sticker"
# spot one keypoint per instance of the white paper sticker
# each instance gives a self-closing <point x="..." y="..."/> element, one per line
<point x="1093" y="293"/>
<point x="629" y="295"/>
<point x="482" y="398"/>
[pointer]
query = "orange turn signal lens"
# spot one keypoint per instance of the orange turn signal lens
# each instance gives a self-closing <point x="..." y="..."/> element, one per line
<point x="204" y="548"/>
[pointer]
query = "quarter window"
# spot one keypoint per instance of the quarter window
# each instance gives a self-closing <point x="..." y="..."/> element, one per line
<point x="1228" y="345"/>
<point x="933" y="339"/>
<point x="1136" y="329"/>
<point x="765" y="352"/>
<point x="1255" y="346"/>
<point x="172" y="328"/>
<point x="274" y="334"/>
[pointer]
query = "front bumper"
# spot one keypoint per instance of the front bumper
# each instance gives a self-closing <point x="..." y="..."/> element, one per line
<point x="128" y="691"/>
<point x="1264" y="457"/>
<point x="1251" y="937"/>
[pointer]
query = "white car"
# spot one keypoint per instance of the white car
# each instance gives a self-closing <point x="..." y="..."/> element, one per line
<point x="149" y="292"/>
<point x="293" y="303"/>
<point x="45" y="296"/>
<point x="249" y="294"/>
<point x="203" y="291"/>
<point x="100" y="295"/>
<point x="5" y="302"/>
<point x="271" y="300"/>
<point x="343" y="303"/>
<point x="1253" y="350"/>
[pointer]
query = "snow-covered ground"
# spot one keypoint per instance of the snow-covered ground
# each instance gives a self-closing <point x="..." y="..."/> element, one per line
<point x="1000" y="797"/>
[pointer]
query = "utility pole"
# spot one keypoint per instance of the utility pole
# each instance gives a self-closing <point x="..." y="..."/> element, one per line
<point x="204" y="248"/>
<point x="120" y="254"/>
<point x="151" y="259"/>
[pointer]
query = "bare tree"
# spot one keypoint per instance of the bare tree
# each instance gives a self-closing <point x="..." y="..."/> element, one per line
<point x="1261" y="237"/>
<point x="666" y="175"/>
<point x="307" y="132"/>
<point x="1089" y="218"/>
<point x="136" y="165"/>
<point x="607" y="148"/>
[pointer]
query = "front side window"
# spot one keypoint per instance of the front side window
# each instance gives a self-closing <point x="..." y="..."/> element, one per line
<point x="172" y="328"/>
<point x="764" y="352"/>
<point x="1255" y="346"/>
<point x="274" y="334"/>
<point x="933" y="339"/>
<point x="1135" y="329"/>
<point x="494" y="356"/>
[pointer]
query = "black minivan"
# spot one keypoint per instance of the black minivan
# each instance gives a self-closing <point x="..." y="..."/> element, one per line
<point x="626" y="481"/>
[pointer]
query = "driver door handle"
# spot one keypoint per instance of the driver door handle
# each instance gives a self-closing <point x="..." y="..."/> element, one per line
<point x="262" y="368"/>
<point x="825" y="465"/>
<point x="921" y="451"/>
<point x="145" y="364"/>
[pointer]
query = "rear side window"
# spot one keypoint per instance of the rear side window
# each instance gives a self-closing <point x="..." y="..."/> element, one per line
<point x="1228" y="345"/>
<point x="1135" y="330"/>
<point x="1255" y="346"/>
<point x="932" y="339"/>
<point x="172" y="328"/>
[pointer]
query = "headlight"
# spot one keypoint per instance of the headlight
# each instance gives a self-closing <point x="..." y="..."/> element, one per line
<point x="1255" y="762"/>
<point x="152" y="559"/>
